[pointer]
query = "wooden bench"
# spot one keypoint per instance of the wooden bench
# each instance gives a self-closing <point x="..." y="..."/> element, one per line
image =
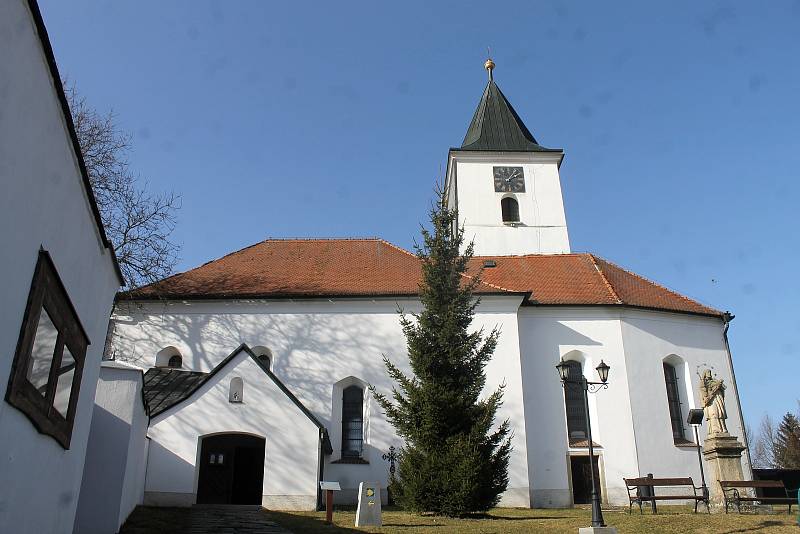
<point x="636" y="494"/>
<point x="731" y="489"/>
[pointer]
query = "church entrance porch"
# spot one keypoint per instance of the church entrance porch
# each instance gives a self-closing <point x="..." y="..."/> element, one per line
<point x="231" y="469"/>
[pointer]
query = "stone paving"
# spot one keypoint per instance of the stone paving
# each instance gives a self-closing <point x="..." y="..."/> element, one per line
<point x="201" y="520"/>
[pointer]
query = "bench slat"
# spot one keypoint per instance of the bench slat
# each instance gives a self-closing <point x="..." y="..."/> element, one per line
<point x="659" y="481"/>
<point x="751" y="484"/>
<point x="669" y="498"/>
<point x="780" y="500"/>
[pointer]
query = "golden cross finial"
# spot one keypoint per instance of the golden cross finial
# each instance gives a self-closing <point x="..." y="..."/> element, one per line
<point x="489" y="65"/>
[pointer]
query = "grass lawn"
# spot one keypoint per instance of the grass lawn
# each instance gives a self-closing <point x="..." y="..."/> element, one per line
<point x="513" y="520"/>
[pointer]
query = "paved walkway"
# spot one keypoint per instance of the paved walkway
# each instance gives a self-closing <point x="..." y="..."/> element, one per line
<point x="201" y="520"/>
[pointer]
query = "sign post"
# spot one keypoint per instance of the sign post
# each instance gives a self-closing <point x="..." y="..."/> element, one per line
<point x="329" y="488"/>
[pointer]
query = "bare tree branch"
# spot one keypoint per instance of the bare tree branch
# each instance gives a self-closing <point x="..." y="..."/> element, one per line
<point x="763" y="453"/>
<point x="138" y="223"/>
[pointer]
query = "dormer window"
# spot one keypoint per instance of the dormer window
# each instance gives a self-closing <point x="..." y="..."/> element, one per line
<point x="510" y="208"/>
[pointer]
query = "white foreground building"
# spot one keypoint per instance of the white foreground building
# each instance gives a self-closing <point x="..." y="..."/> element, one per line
<point x="257" y="364"/>
<point x="59" y="279"/>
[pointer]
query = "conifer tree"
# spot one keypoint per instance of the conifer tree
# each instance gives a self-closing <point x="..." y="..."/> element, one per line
<point x="454" y="461"/>
<point x="787" y="443"/>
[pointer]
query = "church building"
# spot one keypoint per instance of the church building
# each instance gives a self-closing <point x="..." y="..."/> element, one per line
<point x="256" y="365"/>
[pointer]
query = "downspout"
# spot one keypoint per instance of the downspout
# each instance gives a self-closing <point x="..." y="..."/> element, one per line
<point x="727" y="317"/>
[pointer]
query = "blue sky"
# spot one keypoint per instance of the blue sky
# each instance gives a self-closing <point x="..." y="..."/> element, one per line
<point x="680" y="124"/>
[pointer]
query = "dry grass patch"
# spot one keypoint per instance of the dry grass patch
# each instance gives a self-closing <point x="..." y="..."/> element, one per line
<point x="513" y="520"/>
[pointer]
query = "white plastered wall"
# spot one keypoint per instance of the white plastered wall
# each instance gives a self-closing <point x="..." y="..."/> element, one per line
<point x="649" y="337"/>
<point x="292" y="439"/>
<point x="315" y="345"/>
<point x="543" y="226"/>
<point x="630" y="419"/>
<point x="113" y="475"/>
<point x="588" y="335"/>
<point x="42" y="204"/>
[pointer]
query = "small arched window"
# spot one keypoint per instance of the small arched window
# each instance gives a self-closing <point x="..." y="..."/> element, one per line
<point x="510" y="208"/>
<point x="575" y="404"/>
<point x="352" y="422"/>
<point x="169" y="357"/>
<point x="264" y="355"/>
<point x="236" y="393"/>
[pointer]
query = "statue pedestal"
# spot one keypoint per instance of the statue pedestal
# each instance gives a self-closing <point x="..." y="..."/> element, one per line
<point x="723" y="454"/>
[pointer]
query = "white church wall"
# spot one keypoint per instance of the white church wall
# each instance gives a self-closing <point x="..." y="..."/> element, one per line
<point x="292" y="439"/>
<point x="630" y="419"/>
<point x="588" y="335"/>
<point x="315" y="345"/>
<point x="649" y="338"/>
<point x="42" y="204"/>
<point x="543" y="227"/>
<point x="113" y="475"/>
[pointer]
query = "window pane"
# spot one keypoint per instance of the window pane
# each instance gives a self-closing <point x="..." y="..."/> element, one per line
<point x="352" y="421"/>
<point x="44" y="345"/>
<point x="64" y="382"/>
<point x="674" y="401"/>
<point x="575" y="405"/>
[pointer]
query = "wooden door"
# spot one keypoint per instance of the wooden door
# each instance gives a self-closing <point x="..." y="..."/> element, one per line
<point x="581" y="479"/>
<point x="231" y="469"/>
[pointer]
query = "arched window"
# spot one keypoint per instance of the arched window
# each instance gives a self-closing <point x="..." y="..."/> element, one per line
<point x="236" y="393"/>
<point x="510" y="208"/>
<point x="264" y="355"/>
<point x="169" y="357"/>
<point x="674" y="401"/>
<point x="575" y="405"/>
<point x="352" y="422"/>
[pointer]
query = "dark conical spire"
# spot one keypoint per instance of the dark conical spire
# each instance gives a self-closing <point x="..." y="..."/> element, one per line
<point x="496" y="126"/>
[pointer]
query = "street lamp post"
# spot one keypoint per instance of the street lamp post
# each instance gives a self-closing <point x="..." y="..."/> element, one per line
<point x="589" y="387"/>
<point x="695" y="419"/>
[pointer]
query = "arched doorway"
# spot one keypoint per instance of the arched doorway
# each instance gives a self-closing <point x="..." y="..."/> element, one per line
<point x="231" y="469"/>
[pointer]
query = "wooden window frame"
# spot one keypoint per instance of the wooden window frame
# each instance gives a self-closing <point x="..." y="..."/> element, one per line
<point x="574" y="404"/>
<point x="47" y="292"/>
<point x="674" y="403"/>
<point x="349" y="417"/>
<point x="509" y="209"/>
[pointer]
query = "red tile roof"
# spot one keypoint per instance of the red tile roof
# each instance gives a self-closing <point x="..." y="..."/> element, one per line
<point x="583" y="279"/>
<point x="297" y="268"/>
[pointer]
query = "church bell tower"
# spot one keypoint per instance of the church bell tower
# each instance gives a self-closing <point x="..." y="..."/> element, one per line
<point x="506" y="186"/>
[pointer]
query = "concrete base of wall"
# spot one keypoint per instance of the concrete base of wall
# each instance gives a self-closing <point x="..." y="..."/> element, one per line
<point x="551" y="498"/>
<point x="165" y="498"/>
<point x="290" y="502"/>
<point x="515" y="498"/>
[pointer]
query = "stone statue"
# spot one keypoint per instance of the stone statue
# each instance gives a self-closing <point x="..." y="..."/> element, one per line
<point x="712" y="395"/>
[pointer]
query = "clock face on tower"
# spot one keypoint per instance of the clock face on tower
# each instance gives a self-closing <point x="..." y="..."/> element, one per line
<point x="509" y="180"/>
